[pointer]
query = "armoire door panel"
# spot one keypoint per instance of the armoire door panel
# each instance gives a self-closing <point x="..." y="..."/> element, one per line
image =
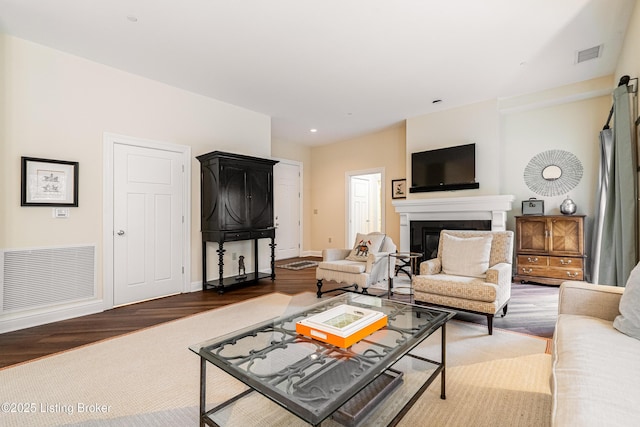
<point x="532" y="235"/>
<point x="234" y="198"/>
<point x="261" y="198"/>
<point x="565" y="236"/>
<point x="209" y="204"/>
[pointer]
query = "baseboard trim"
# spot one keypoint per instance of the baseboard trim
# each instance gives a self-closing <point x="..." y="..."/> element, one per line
<point x="312" y="253"/>
<point x="19" y="321"/>
<point x="196" y="286"/>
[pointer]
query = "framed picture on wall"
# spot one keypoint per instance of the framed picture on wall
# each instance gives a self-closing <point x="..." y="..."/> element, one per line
<point x="399" y="188"/>
<point x="47" y="182"/>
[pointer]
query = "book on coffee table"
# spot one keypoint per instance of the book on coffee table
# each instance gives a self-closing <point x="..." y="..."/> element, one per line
<point x="343" y="325"/>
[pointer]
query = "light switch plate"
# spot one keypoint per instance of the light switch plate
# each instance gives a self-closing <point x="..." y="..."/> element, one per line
<point x="61" y="212"/>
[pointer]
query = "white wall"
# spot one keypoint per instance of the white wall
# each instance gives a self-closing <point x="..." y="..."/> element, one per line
<point x="58" y="106"/>
<point x="509" y="132"/>
<point x="330" y="165"/>
<point x="629" y="62"/>
<point x="572" y="127"/>
<point x="477" y="123"/>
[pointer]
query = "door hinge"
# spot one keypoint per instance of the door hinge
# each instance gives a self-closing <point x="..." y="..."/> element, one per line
<point x="182" y="168"/>
<point x="182" y="269"/>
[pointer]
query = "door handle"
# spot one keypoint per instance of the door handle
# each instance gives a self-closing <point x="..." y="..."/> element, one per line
<point x="120" y="233"/>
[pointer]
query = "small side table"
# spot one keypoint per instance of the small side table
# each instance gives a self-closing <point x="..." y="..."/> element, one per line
<point x="410" y="260"/>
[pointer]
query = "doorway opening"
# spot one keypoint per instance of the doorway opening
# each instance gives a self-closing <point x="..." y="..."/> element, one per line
<point x="365" y="208"/>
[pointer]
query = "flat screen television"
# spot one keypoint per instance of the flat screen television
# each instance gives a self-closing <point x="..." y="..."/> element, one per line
<point x="444" y="169"/>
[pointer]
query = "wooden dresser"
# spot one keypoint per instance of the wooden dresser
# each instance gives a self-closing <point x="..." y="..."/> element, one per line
<point x="550" y="248"/>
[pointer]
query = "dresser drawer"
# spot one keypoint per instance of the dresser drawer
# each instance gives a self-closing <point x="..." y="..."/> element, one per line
<point x="259" y="234"/>
<point x="533" y="271"/>
<point x="566" y="262"/>
<point x="533" y="260"/>
<point x="565" y="273"/>
<point x="237" y="235"/>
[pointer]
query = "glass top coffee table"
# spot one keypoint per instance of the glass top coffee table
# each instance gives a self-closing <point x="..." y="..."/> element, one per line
<point x="316" y="381"/>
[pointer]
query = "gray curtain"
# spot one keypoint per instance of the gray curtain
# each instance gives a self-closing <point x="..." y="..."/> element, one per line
<point x="606" y="146"/>
<point x="617" y="252"/>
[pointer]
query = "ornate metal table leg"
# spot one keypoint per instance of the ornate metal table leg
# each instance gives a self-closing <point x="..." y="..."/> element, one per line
<point x="444" y="360"/>
<point x="203" y="390"/>
<point x="389" y="279"/>
<point x="319" y="285"/>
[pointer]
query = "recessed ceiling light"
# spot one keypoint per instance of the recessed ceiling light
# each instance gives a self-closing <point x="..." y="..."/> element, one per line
<point x="313" y="130"/>
<point x="132" y="18"/>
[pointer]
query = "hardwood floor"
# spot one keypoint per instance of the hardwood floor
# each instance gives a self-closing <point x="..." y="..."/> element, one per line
<point x="532" y="310"/>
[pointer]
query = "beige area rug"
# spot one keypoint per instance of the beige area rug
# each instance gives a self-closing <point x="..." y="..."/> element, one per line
<point x="151" y="378"/>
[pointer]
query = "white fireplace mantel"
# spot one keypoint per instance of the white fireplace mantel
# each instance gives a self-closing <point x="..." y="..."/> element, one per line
<point x="493" y="208"/>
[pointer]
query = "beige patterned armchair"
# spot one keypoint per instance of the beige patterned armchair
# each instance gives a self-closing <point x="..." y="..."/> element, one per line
<point x="471" y="273"/>
<point x="355" y="268"/>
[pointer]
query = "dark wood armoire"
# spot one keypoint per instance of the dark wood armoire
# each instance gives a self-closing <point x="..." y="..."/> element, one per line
<point x="236" y="199"/>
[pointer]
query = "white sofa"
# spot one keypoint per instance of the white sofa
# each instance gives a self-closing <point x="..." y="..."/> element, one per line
<point x="596" y="369"/>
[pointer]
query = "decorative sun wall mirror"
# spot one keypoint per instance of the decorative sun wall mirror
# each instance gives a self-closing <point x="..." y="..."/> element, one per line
<point x="553" y="173"/>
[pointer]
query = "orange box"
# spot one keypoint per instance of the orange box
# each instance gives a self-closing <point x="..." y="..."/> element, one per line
<point x="343" y="325"/>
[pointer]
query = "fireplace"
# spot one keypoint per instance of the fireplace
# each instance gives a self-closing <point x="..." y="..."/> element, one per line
<point x="425" y="235"/>
<point x="475" y="212"/>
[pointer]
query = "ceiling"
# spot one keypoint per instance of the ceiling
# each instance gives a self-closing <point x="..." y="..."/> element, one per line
<point x="343" y="67"/>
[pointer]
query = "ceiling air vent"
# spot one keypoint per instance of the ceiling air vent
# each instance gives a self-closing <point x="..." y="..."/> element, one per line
<point x="588" y="54"/>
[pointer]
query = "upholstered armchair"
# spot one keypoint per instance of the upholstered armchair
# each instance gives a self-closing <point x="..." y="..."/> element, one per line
<point x="358" y="268"/>
<point x="471" y="273"/>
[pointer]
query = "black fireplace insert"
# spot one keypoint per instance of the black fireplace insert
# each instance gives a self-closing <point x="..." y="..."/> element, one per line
<point x="425" y="235"/>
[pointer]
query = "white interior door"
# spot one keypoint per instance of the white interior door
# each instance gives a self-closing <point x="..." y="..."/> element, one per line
<point x="286" y="180"/>
<point x="364" y="200"/>
<point x="360" y="218"/>
<point x="147" y="219"/>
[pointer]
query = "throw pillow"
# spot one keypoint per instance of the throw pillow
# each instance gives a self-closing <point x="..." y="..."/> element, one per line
<point x="366" y="244"/>
<point x="466" y="256"/>
<point x="628" y="321"/>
